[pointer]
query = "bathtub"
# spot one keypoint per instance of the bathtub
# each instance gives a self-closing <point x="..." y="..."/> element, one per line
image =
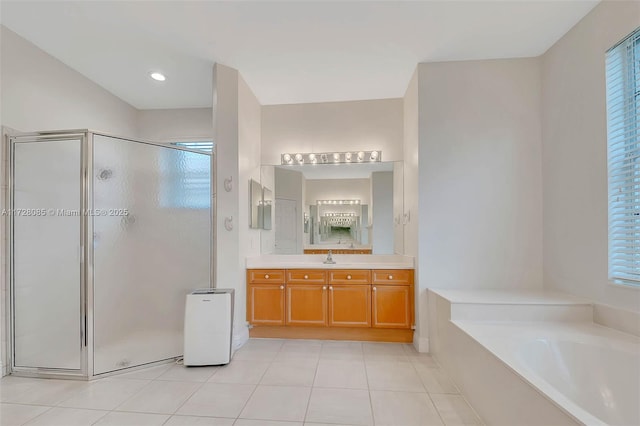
<point x="595" y="376"/>
<point x="572" y="372"/>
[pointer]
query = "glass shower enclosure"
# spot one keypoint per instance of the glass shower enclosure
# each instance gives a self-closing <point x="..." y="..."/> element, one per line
<point x="106" y="236"/>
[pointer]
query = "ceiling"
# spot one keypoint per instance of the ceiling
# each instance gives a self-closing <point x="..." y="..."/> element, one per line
<point x="288" y="52"/>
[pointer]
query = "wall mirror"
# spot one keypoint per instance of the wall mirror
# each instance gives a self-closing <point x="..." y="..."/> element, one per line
<point x="349" y="208"/>
<point x="255" y="202"/>
<point x="267" y="202"/>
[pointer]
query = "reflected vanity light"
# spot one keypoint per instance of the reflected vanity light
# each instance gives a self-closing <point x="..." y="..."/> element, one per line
<point x="289" y="159"/>
<point x="343" y="202"/>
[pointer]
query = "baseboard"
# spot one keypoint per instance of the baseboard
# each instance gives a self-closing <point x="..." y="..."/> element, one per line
<point x="421" y="343"/>
<point x="334" y="333"/>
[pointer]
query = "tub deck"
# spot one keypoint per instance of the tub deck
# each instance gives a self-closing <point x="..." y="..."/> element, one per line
<point x="520" y="340"/>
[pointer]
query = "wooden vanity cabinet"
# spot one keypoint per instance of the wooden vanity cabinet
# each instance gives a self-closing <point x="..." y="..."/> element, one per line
<point x="350" y="298"/>
<point x="352" y="304"/>
<point x="306" y="298"/>
<point x="392" y="298"/>
<point x="265" y="296"/>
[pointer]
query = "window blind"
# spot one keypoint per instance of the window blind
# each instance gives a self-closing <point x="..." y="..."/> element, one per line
<point x="623" y="152"/>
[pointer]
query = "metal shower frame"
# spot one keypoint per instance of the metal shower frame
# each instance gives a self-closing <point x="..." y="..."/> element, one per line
<point x="86" y="370"/>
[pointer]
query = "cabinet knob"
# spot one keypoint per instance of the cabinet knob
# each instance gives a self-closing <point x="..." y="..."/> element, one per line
<point x="331" y="287"/>
<point x="281" y="287"/>
<point x="390" y="277"/>
<point x="306" y="277"/>
<point x="324" y="287"/>
<point x="374" y="289"/>
<point x="348" y="277"/>
<point x="266" y="276"/>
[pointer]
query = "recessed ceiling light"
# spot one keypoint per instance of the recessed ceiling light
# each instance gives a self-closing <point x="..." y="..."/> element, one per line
<point x="158" y="76"/>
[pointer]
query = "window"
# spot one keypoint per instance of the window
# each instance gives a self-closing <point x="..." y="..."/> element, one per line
<point x="623" y="151"/>
<point x="187" y="176"/>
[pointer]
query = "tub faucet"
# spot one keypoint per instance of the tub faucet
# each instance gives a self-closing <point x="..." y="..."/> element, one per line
<point x="329" y="260"/>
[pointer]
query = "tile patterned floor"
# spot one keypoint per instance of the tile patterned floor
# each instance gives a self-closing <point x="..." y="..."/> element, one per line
<point x="268" y="383"/>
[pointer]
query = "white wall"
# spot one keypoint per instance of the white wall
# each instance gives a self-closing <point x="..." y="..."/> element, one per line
<point x="249" y="117"/>
<point x="411" y="200"/>
<point x="38" y="92"/>
<point x="268" y="236"/>
<point x="228" y="262"/>
<point x="332" y="126"/>
<point x="338" y="189"/>
<point x="398" y="208"/>
<point x="171" y="125"/>
<point x="480" y="174"/>
<point x="290" y="185"/>
<point x="575" y="156"/>
<point x="382" y="212"/>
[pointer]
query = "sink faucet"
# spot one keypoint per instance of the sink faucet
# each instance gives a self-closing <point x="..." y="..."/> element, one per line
<point x="329" y="260"/>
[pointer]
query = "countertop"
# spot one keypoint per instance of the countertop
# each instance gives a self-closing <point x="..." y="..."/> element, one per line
<point x="343" y="261"/>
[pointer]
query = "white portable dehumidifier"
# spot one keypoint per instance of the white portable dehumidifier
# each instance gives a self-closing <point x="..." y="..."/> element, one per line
<point x="208" y="324"/>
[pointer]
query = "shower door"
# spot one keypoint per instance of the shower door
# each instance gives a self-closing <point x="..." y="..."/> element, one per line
<point x="151" y="247"/>
<point x="46" y="262"/>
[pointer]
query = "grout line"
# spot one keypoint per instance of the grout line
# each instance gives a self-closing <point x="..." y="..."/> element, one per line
<point x="39" y="415"/>
<point x="436" y="408"/>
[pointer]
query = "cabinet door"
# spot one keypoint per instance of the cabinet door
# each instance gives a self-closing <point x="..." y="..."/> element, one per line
<point x="350" y="306"/>
<point x="265" y="304"/>
<point x="306" y="305"/>
<point x="391" y="306"/>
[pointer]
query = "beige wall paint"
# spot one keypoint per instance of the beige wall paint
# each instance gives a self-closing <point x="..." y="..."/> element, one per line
<point x="38" y="92"/>
<point x="170" y="125"/>
<point x="332" y="126"/>
<point x="480" y="183"/>
<point x="574" y="165"/>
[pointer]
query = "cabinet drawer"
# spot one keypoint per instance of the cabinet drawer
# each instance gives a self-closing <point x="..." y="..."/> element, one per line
<point x="393" y="276"/>
<point x="265" y="276"/>
<point x="350" y="276"/>
<point x="308" y="276"/>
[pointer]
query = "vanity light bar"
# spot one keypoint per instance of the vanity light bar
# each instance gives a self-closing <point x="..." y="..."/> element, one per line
<point x="339" y="214"/>
<point x="337" y="202"/>
<point x="331" y="158"/>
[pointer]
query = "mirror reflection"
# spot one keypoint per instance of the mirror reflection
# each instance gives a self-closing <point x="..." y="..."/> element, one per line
<point x="346" y="208"/>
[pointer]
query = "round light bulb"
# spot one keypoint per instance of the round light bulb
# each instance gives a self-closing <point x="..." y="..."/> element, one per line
<point x="360" y="156"/>
<point x="336" y="157"/>
<point x="374" y="155"/>
<point x="287" y="158"/>
<point x="299" y="158"/>
<point x="347" y="157"/>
